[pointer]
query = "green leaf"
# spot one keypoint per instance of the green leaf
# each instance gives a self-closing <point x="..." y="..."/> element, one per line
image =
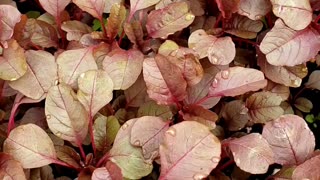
<point x="310" y="118"/>
<point x="33" y="14"/>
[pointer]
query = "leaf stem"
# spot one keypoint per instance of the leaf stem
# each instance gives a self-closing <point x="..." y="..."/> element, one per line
<point x="216" y="24"/>
<point x="61" y="163"/>
<point x="103" y="159"/>
<point x="317" y="19"/>
<point x="298" y="93"/>
<point x="103" y="27"/>
<point x="91" y="134"/>
<point x="225" y="165"/>
<point x="83" y="154"/>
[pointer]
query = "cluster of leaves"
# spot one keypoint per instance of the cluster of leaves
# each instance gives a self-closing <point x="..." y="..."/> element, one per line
<point x="146" y="84"/>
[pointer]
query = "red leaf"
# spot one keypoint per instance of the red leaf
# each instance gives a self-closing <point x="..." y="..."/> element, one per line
<point x="54" y="7"/>
<point x="228" y="7"/>
<point x="93" y="7"/>
<point x="136" y="5"/>
<point x="10" y="168"/>
<point x="189" y="151"/>
<point x="9" y="17"/>
<point x="308" y="170"/>
<point x="254" y="10"/>
<point x="287" y="138"/>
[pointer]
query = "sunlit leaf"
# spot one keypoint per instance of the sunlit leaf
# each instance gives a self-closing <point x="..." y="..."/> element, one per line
<point x="54" y="7"/>
<point x="287" y="138"/>
<point x="9" y="17"/>
<point x="189" y="151"/>
<point x="10" y="168"/>
<point x="254" y="10"/>
<point x="25" y="146"/>
<point x="93" y="7"/>
<point x="136" y="5"/>
<point x="115" y="20"/>
<point x="75" y="29"/>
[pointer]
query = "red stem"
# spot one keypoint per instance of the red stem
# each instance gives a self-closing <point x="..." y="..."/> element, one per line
<point x="56" y="161"/>
<point x="225" y="165"/>
<point x="122" y="33"/>
<point x="83" y="155"/>
<point x="91" y="134"/>
<point x="317" y="19"/>
<point x="216" y="24"/>
<point x="298" y="93"/>
<point x="103" y="159"/>
<point x="103" y="27"/>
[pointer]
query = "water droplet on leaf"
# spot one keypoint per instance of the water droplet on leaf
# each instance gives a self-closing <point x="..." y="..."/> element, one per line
<point x="82" y="75"/>
<point x="244" y="110"/>
<point x="199" y="176"/>
<point x="124" y="126"/>
<point x="215" y="159"/>
<point x="225" y="74"/>
<point x="13" y="79"/>
<point x="189" y="17"/>
<point x="237" y="161"/>
<point x="215" y="83"/>
<point x="171" y="131"/>
<point x="137" y="143"/>
<point x="48" y="116"/>
<point x="304" y="69"/>
<point x="56" y="82"/>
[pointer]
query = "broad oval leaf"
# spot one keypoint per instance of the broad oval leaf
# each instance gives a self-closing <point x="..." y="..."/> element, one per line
<point x="24" y="145"/>
<point x="314" y="80"/>
<point x="287" y="138"/>
<point x="9" y="17"/>
<point x="169" y="20"/>
<point x="189" y="151"/>
<point x="200" y="41"/>
<point x="136" y="5"/>
<point x="297" y="14"/>
<point x="237" y="80"/>
<point x="10" y="168"/>
<point x="222" y="51"/>
<point x="54" y="7"/>
<point x="303" y="104"/>
<point x="147" y="133"/>
<point x="75" y="29"/>
<point x="286" y="47"/>
<point x="40" y="76"/>
<point x="124" y="67"/>
<point x="93" y="7"/>
<point x="235" y="115"/>
<point x="66" y="117"/>
<point x="164" y="80"/>
<point x="13" y="63"/>
<point x="72" y="63"/>
<point x="128" y="157"/>
<point x="308" y="170"/>
<point x="254" y="10"/>
<point x="95" y="90"/>
<point x="264" y="107"/>
<point x="251" y="153"/>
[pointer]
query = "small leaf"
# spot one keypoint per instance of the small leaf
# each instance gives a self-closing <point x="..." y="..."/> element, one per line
<point x="66" y="117"/>
<point x="254" y="10"/>
<point x="308" y="170"/>
<point x="136" y="95"/>
<point x="164" y="80"/>
<point x="68" y="155"/>
<point x="147" y="133"/>
<point x="297" y="14"/>
<point x="199" y="114"/>
<point x="7" y="22"/>
<point x="93" y="7"/>
<point x="54" y="7"/>
<point x="251" y="153"/>
<point x="124" y="67"/>
<point x="151" y="108"/>
<point x="72" y="63"/>
<point x="279" y="89"/>
<point x="227" y="8"/>
<point x="314" y="80"/>
<point x="75" y="29"/>
<point x="289" y="51"/>
<point x="287" y="138"/>
<point x="110" y="172"/>
<point x="136" y="5"/>
<point x="24" y="145"/>
<point x="13" y="63"/>
<point x="10" y="168"/>
<point x="187" y="142"/>
<point x="40" y="76"/>
<point x="303" y="104"/>
<point x="235" y="114"/>
<point x="169" y="20"/>
<point x="264" y="107"/>
<point x="134" y="32"/>
<point x="237" y="80"/>
<point x="95" y="90"/>
<point x="310" y="118"/>
<point x="115" y="20"/>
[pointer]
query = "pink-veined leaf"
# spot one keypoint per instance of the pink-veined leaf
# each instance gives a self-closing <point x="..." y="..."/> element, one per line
<point x="128" y="157"/>
<point x="254" y="10"/>
<point x="314" y="80"/>
<point x="66" y="117"/>
<point x="136" y="94"/>
<point x="72" y="63"/>
<point x="147" y="133"/>
<point x="169" y="20"/>
<point x="75" y="29"/>
<point x="136" y="5"/>
<point x="68" y="155"/>
<point x="251" y="153"/>
<point x="200" y="41"/>
<point x="10" y="168"/>
<point x="264" y="107"/>
<point x="54" y="7"/>
<point x="237" y="80"/>
<point x="124" y="67"/>
<point x="290" y="139"/>
<point x="40" y="76"/>
<point x="24" y="145"/>
<point x="189" y="151"/>
<point x="93" y="7"/>
<point x="151" y="108"/>
<point x="228" y="7"/>
<point x="13" y="63"/>
<point x="164" y="80"/>
<point x="279" y="89"/>
<point x="95" y="90"/>
<point x="115" y="20"/>
<point x="9" y="17"/>
<point x="286" y="47"/>
<point x="110" y="172"/>
<point x="235" y="115"/>
<point x="297" y="14"/>
<point x="308" y="170"/>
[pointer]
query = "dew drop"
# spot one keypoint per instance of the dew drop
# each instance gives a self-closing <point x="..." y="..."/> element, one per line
<point x="58" y="134"/>
<point x="82" y="75"/>
<point x="56" y="82"/>
<point x="48" y="116"/>
<point x="304" y="69"/>
<point x="258" y="17"/>
<point x="215" y="159"/>
<point x="244" y="110"/>
<point x="296" y="82"/>
<point x="237" y="161"/>
<point x="13" y="79"/>
<point x="199" y="176"/>
<point x="137" y="143"/>
<point x="171" y="131"/>
<point x="276" y="123"/>
<point x="213" y="59"/>
<point x="225" y="74"/>
<point x="125" y="126"/>
<point x="215" y="83"/>
<point x="189" y="17"/>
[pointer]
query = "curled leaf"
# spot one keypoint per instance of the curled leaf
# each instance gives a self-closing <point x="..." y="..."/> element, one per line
<point x="115" y="20"/>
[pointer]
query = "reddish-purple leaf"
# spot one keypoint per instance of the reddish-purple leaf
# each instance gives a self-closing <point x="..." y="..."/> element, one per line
<point x="189" y="151"/>
<point x="308" y="170"/>
<point x="169" y="20"/>
<point x="68" y="155"/>
<point x="290" y="139"/>
<point x="75" y="29"/>
<point x="115" y="20"/>
<point x="93" y="7"/>
<point x="251" y="153"/>
<point x="199" y="114"/>
<point x="235" y="115"/>
<point x="10" y="169"/>
<point x="24" y="145"/>
<point x="66" y="117"/>
<point x="297" y="14"/>
<point x="9" y="17"/>
<point x="164" y="80"/>
<point x="136" y="5"/>
<point x="254" y="10"/>
<point x="200" y="41"/>
<point x="286" y="47"/>
<point x="136" y="94"/>
<point x="72" y="63"/>
<point x="54" y="7"/>
<point x="237" y="80"/>
<point x="147" y="133"/>
<point x="228" y="7"/>
<point x="124" y="67"/>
